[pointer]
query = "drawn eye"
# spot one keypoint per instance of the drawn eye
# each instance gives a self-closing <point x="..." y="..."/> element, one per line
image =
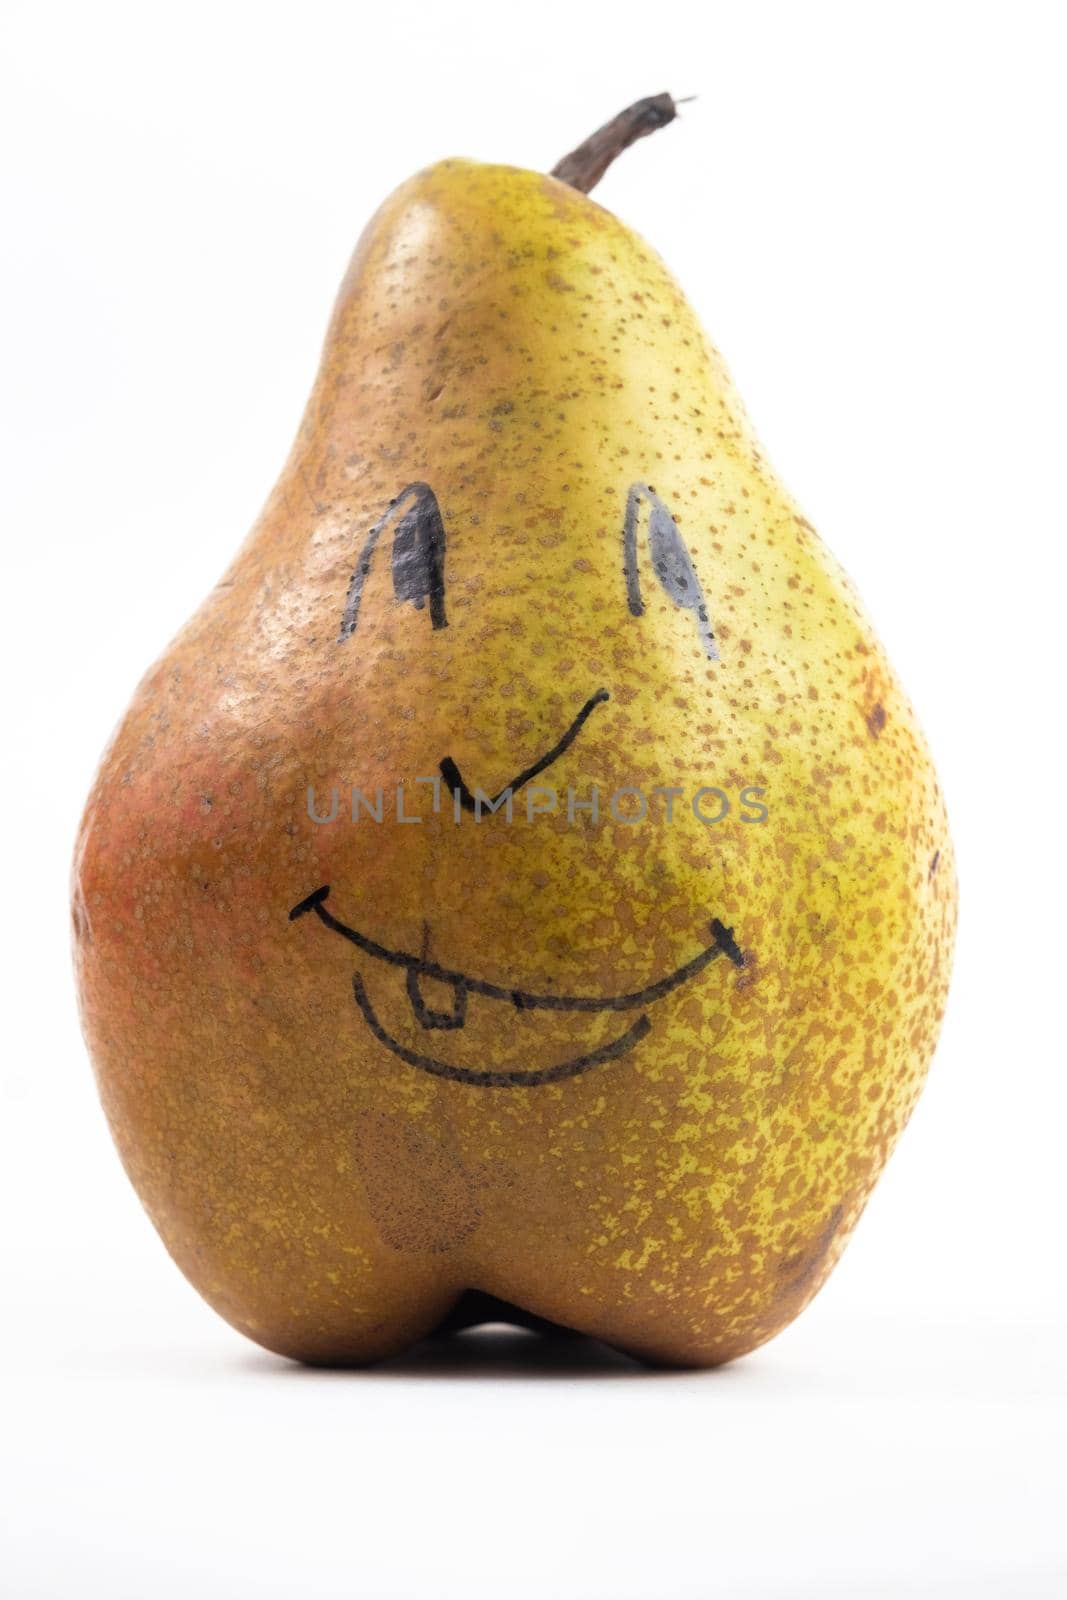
<point x="418" y="557"/>
<point x="670" y="562"/>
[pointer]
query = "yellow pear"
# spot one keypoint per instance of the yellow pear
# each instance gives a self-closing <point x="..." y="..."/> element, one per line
<point x="524" y="876"/>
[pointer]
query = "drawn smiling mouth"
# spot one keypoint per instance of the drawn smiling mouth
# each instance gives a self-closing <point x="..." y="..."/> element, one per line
<point x="461" y="985"/>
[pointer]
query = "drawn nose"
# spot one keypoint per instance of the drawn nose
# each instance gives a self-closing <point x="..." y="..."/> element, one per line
<point x="454" y="778"/>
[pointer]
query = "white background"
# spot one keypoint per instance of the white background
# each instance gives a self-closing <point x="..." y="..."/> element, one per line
<point x="866" y="206"/>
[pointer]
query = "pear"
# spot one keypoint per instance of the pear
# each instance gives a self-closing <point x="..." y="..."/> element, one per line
<point x="523" y="880"/>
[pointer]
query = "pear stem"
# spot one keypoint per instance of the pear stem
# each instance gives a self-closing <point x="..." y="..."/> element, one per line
<point x="584" y="167"/>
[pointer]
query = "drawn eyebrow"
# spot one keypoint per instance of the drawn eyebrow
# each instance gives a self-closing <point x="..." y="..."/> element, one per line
<point x="670" y="561"/>
<point x="418" y="558"/>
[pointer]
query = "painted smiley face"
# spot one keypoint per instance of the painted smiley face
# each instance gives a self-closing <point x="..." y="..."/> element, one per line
<point x="419" y="579"/>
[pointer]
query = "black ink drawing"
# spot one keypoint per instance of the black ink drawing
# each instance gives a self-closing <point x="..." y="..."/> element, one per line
<point x="463" y="984"/>
<point x="418" y="563"/>
<point x="454" y="778"/>
<point x="418" y="568"/>
<point x="670" y="561"/>
<point x="418" y="558"/>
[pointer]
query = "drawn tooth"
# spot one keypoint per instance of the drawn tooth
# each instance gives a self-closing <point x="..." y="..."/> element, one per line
<point x="426" y="1014"/>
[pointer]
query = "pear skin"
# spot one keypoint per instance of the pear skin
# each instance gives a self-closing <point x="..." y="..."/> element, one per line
<point x="635" y="1074"/>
